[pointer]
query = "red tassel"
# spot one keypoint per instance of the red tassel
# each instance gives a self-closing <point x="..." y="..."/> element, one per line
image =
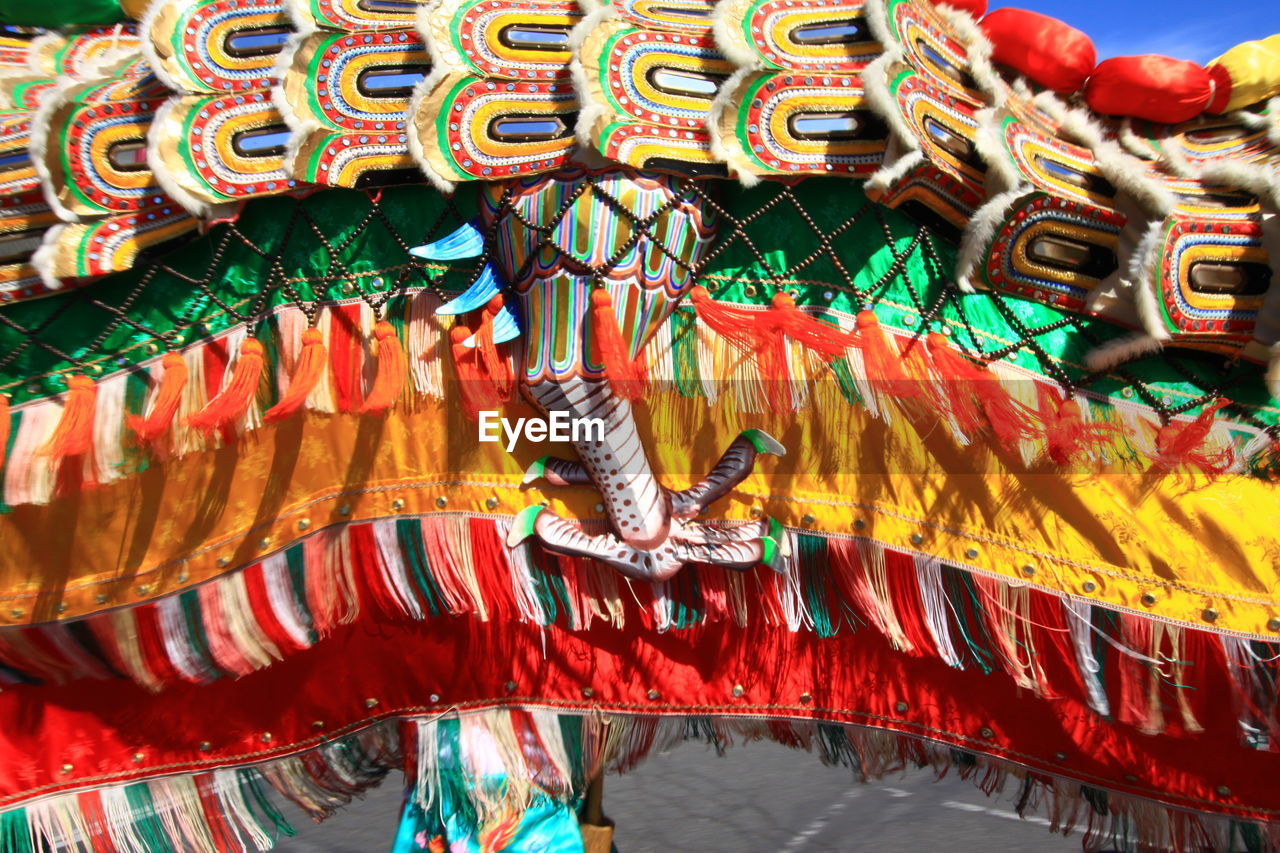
<point x="165" y="404"/>
<point x="1180" y="445"/>
<point x="627" y="375"/>
<point x="4" y="430"/>
<point x="393" y="370"/>
<point x="762" y="335"/>
<point x="235" y="398"/>
<point x="965" y="383"/>
<point x="1067" y="437"/>
<point x="307" y="373"/>
<point x="476" y="390"/>
<point x="883" y="360"/>
<point x="490" y="361"/>
<point x="346" y="352"/>
<point x="73" y="436"/>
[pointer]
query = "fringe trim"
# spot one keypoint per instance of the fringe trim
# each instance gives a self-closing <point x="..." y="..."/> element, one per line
<point x="686" y="356"/>
<point x="1135" y="667"/>
<point x="492" y="763"/>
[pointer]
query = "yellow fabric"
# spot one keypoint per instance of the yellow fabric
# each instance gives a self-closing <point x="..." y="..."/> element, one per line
<point x="1254" y="68"/>
<point x="1193" y="544"/>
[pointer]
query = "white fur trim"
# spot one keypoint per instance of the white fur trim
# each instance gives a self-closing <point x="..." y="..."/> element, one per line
<point x="728" y="148"/>
<point x="977" y="235"/>
<point x="168" y="182"/>
<point x="1121" y="350"/>
<point x="591" y="109"/>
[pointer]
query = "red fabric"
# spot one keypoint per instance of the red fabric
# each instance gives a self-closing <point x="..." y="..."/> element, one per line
<point x="1044" y="49"/>
<point x="1155" y="88"/>
<point x="852" y="677"/>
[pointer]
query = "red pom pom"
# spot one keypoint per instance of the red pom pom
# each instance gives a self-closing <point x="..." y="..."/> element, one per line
<point x="1043" y="49"/>
<point x="1155" y="88"/>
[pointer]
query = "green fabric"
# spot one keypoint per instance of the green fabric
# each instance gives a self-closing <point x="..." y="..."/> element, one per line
<point x="333" y="235"/>
<point x="59" y="13"/>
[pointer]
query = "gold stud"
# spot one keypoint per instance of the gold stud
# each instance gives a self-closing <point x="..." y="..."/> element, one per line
<point x="1223" y="791"/>
<point x="1089" y="586"/>
<point x="442" y="502"/>
<point x="137" y="758"/>
<point x="749" y="291"/>
<point x="806" y="698"/>
<point x="397" y="504"/>
<point x="371" y="703"/>
<point x="317" y="724"/>
<point x="17" y="613"/>
<point x="345" y="509"/>
<point x="917" y="539"/>
<point x="152" y="348"/>
<point x="100" y="598"/>
<point x="348" y="288"/>
<point x="304" y="523"/>
<point x="144" y="589"/>
<point x="264" y="544"/>
<point x="491" y="503"/>
<point x="205" y="746"/>
<point x="971" y="553"/>
<point x="756" y="512"/>
<point x="510" y="686"/>
<point x="653" y="695"/>
<point x="1060" y="756"/>
<point x="901" y="707"/>
<point x="859" y="524"/>
<point x="62" y="607"/>
<point x="588" y="692"/>
<point x="266" y="737"/>
<point x="987" y="734"/>
<point x="1148" y="599"/>
<point x="435" y="698"/>
<point x="1029" y="570"/>
<point x="183" y="576"/>
<point x="737" y="690"/>
<point x="1210" y="615"/>
<point x="1273" y="624"/>
<point x="808" y="519"/>
<point x="1129" y="777"/>
<point x="223" y="562"/>
<point x="67" y="768"/>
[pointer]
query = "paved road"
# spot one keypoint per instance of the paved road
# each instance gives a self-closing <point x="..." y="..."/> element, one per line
<point x="760" y="798"/>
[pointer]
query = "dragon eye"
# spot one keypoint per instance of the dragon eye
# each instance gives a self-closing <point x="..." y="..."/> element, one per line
<point x="387" y="7"/>
<point x="128" y="156"/>
<point x="854" y="124"/>
<point x="1072" y="255"/>
<point x="692" y="84"/>
<point x="17" y="247"/>
<point x="535" y="37"/>
<point x="530" y="128"/>
<point x="266" y="141"/>
<point x="390" y="81"/>
<point x="259" y="41"/>
<point x="835" y="32"/>
<point x="1235" y="279"/>
<point x="953" y="143"/>
<point x="1084" y="180"/>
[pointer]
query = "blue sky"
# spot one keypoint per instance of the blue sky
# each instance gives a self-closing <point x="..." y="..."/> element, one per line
<point x="1183" y="29"/>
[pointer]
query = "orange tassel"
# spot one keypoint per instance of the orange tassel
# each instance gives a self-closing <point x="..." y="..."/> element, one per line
<point x="1067" y="437"/>
<point x="762" y="335"/>
<point x="1181" y="445"/>
<point x="73" y="436"/>
<point x="490" y="361"/>
<point x="236" y="396"/>
<point x="883" y="360"/>
<point x="393" y="370"/>
<point x="476" y="390"/>
<point x="627" y="375"/>
<point x="308" y="370"/>
<point x="165" y="403"/>
<point x="969" y="389"/>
